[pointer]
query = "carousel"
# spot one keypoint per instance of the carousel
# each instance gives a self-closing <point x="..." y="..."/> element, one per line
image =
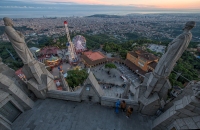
<point x="53" y="61"/>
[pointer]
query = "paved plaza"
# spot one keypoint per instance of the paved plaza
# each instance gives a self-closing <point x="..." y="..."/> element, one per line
<point x="113" y="91"/>
<point x="52" y="114"/>
<point x="101" y="73"/>
<point x="128" y="74"/>
<point x="65" y="66"/>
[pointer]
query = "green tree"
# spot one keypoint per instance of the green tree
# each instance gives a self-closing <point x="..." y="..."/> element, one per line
<point x="76" y="77"/>
<point x="110" y="66"/>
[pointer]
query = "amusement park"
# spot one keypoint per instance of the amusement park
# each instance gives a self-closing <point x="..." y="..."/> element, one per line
<point x="74" y="62"/>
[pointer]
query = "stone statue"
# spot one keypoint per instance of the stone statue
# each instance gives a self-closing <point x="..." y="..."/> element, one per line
<point x="174" y="51"/>
<point x="158" y="79"/>
<point x="18" y="42"/>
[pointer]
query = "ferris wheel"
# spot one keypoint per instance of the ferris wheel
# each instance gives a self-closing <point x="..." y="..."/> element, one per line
<point x="79" y="43"/>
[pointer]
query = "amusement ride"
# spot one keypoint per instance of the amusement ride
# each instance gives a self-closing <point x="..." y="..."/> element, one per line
<point x="73" y="59"/>
<point x="79" y="43"/>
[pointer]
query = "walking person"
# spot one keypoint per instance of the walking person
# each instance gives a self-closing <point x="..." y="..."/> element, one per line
<point x="123" y="105"/>
<point x="117" y="105"/>
<point x="129" y="111"/>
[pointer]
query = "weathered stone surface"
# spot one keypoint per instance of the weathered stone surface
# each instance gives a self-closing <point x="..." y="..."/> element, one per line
<point x="38" y="80"/>
<point x="151" y="105"/>
<point x="184" y="114"/>
<point x="4" y="125"/>
<point x="190" y="123"/>
<point x="64" y="95"/>
<point x="65" y="115"/>
<point x="198" y="124"/>
<point x="9" y="86"/>
<point x="196" y="110"/>
<point x="180" y="122"/>
<point x="196" y="119"/>
<point x="34" y="87"/>
<point x="184" y="127"/>
<point x="187" y="112"/>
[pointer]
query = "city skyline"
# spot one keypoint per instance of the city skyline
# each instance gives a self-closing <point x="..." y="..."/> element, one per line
<point x="170" y="4"/>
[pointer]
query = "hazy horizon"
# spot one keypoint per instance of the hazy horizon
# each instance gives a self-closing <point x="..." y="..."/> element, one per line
<point x="21" y="9"/>
<point x="169" y="4"/>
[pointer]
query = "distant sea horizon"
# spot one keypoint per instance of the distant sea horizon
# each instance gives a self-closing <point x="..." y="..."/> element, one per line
<point x="80" y="11"/>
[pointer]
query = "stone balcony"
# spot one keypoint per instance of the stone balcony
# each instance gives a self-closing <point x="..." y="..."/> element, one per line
<point x="53" y="114"/>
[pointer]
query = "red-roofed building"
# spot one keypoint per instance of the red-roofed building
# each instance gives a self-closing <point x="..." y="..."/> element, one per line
<point x="92" y="59"/>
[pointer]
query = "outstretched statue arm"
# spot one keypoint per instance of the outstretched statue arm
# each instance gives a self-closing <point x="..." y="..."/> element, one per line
<point x="20" y="34"/>
<point x="13" y="34"/>
<point x="169" y="45"/>
<point x="180" y="37"/>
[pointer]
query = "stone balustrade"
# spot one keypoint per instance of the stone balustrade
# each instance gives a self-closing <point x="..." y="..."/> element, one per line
<point x="75" y="96"/>
<point x="64" y="95"/>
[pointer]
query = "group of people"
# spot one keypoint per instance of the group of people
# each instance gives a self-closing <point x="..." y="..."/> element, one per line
<point x="60" y="68"/>
<point x="122" y="105"/>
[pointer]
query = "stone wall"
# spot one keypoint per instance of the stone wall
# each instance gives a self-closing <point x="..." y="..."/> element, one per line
<point x="64" y="95"/>
<point x="108" y="101"/>
<point x="90" y="93"/>
<point x="74" y="96"/>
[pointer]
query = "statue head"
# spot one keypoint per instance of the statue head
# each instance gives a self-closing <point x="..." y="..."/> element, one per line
<point x="7" y="21"/>
<point x="189" y="25"/>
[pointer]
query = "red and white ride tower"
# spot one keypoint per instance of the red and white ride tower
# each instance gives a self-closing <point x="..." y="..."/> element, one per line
<point x="73" y="59"/>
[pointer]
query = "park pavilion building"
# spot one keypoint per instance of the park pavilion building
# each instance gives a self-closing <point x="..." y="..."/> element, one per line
<point x="141" y="61"/>
<point x="91" y="59"/>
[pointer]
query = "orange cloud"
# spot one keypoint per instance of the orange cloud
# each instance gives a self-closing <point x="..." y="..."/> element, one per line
<point x="181" y="5"/>
<point x="174" y="4"/>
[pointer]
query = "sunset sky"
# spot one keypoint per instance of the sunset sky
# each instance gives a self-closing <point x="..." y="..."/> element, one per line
<point x="175" y="4"/>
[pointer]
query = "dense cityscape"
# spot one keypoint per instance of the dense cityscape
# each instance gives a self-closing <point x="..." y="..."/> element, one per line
<point x="151" y="26"/>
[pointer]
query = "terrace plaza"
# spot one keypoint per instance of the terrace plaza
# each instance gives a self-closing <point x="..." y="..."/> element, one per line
<point x="52" y="114"/>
